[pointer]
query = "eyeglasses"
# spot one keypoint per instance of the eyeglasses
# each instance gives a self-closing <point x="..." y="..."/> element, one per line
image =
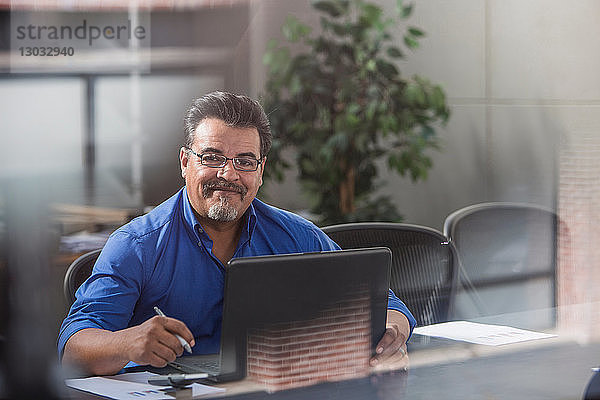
<point x="212" y="160"/>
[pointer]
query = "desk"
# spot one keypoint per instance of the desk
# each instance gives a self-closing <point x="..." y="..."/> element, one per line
<point x="546" y="369"/>
<point x="554" y="368"/>
<point x="553" y="371"/>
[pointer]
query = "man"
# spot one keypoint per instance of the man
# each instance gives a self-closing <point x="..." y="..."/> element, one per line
<point x="174" y="257"/>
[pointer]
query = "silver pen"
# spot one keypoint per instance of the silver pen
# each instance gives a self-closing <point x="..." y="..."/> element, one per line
<point x="185" y="344"/>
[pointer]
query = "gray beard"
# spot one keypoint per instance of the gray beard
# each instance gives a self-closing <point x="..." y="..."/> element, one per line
<point x="222" y="211"/>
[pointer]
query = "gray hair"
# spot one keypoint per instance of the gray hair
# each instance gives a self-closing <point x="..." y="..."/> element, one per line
<point x="235" y="110"/>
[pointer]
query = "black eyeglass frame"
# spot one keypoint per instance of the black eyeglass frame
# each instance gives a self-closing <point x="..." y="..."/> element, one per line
<point x="233" y="159"/>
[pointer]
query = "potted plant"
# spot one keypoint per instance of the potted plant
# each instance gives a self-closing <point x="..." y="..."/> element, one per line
<point x="342" y="104"/>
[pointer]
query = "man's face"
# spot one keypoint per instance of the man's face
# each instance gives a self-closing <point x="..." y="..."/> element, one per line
<point x="221" y="194"/>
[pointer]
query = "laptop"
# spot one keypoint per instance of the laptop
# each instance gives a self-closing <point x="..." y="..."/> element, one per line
<point x="266" y="291"/>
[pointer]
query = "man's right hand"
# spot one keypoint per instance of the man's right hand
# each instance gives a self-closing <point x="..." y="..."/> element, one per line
<point x="102" y="352"/>
<point x="154" y="342"/>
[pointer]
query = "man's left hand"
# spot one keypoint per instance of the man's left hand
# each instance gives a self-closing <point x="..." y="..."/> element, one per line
<point x="391" y="349"/>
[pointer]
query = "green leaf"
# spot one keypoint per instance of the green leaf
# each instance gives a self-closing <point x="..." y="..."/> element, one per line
<point x="387" y="69"/>
<point x="338" y="142"/>
<point x="341" y="30"/>
<point x="352" y="121"/>
<point x="399" y="5"/>
<point x="353" y="108"/>
<point x="277" y="62"/>
<point x="267" y="58"/>
<point x="427" y="132"/>
<point x="295" y="85"/>
<point x="272" y="44"/>
<point x="371" y="13"/>
<point x="438" y="98"/>
<point x="371" y="109"/>
<point x="333" y="8"/>
<point x="370" y="65"/>
<point x="406" y="11"/>
<point x="415" y="95"/>
<point x="410" y="42"/>
<point x="416" y="32"/>
<point x="395" y="52"/>
<point x="269" y="55"/>
<point x="293" y="30"/>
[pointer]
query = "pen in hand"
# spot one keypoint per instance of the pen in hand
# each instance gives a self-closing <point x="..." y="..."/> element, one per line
<point x="185" y="344"/>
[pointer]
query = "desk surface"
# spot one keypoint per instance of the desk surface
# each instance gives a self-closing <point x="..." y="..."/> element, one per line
<point x="549" y="372"/>
<point x="555" y="368"/>
<point x="545" y="369"/>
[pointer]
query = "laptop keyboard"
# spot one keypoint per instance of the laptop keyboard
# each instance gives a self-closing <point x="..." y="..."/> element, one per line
<point x="192" y="364"/>
<point x="207" y="365"/>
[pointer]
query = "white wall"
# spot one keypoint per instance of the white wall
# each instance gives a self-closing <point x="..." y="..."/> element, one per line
<point x="40" y="125"/>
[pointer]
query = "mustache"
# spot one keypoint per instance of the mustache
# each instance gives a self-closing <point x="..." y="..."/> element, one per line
<point x="213" y="185"/>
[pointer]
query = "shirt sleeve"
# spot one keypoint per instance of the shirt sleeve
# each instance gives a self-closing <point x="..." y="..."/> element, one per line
<point x="394" y="303"/>
<point x="324" y="242"/>
<point x="107" y="298"/>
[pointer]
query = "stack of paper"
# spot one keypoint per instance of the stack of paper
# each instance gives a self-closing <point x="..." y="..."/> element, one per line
<point x="131" y="386"/>
<point x="491" y="335"/>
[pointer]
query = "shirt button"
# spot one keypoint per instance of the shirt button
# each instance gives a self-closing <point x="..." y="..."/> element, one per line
<point x="200" y="244"/>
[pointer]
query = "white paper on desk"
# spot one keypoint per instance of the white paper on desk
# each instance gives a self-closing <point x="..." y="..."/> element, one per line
<point x="131" y="386"/>
<point x="491" y="335"/>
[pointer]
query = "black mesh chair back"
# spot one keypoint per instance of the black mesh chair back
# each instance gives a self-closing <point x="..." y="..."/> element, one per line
<point x="424" y="269"/>
<point x="508" y="253"/>
<point x="77" y="273"/>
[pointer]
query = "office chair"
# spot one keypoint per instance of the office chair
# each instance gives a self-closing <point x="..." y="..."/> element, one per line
<point x="508" y="255"/>
<point x="592" y="389"/>
<point x="77" y="273"/>
<point x="424" y="264"/>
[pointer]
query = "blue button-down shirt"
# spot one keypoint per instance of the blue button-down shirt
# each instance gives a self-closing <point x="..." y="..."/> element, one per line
<point x="165" y="259"/>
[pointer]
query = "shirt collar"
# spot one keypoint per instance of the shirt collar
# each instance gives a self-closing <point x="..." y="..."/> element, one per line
<point x="250" y="219"/>
<point x="188" y="213"/>
<point x="190" y="217"/>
